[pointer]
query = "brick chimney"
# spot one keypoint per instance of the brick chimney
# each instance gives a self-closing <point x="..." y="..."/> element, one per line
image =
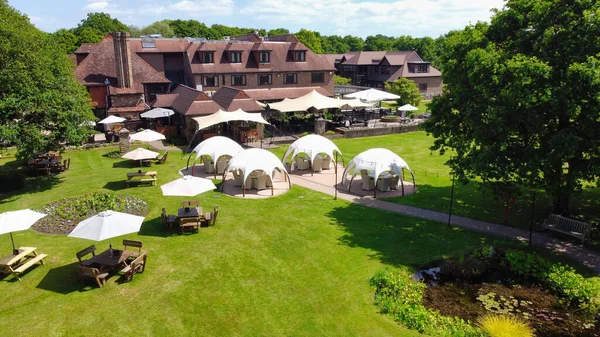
<point x="122" y="59"/>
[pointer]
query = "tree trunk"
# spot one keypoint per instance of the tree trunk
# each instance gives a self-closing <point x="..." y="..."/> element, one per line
<point x="562" y="195"/>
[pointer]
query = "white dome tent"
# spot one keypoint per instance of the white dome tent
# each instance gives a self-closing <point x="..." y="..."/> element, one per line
<point x="216" y="148"/>
<point x="312" y="145"/>
<point x="376" y="161"/>
<point x="251" y="160"/>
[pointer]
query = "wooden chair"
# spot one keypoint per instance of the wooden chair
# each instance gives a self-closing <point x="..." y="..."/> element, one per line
<point x="168" y="220"/>
<point x="84" y="252"/>
<point x="211" y="218"/>
<point x="92" y="273"/>
<point x="136" y="266"/>
<point x="67" y="163"/>
<point x="133" y="244"/>
<point x="163" y="158"/>
<point x="190" y="203"/>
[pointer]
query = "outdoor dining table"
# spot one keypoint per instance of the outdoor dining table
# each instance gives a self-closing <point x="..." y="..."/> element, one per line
<point x="109" y="259"/>
<point x="189" y="212"/>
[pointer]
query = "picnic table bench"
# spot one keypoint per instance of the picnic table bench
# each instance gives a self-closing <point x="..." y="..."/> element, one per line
<point x="17" y="264"/>
<point x="149" y="176"/>
<point x="567" y="226"/>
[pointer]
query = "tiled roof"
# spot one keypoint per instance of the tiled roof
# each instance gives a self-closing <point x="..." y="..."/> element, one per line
<point x="162" y="46"/>
<point x="225" y="95"/>
<point x="246" y="104"/>
<point x="85" y="48"/>
<point x="368" y="57"/>
<point x="281" y="93"/>
<point x="281" y="60"/>
<point x="164" y="100"/>
<point x="185" y="97"/>
<point x="100" y="65"/>
<point x="202" y="108"/>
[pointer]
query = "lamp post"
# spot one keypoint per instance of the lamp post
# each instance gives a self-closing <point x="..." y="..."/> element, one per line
<point x="451" y="200"/>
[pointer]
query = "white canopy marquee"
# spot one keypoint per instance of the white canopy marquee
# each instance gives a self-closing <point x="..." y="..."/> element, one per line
<point x="228" y="116"/>
<point x="311" y="100"/>
<point x="376" y="161"/>
<point x="217" y="146"/>
<point x="312" y="145"/>
<point x="372" y="95"/>
<point x="251" y="160"/>
<point x="157" y="113"/>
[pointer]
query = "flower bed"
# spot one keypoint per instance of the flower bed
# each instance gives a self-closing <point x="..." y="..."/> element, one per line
<point x="63" y="215"/>
<point x="552" y="298"/>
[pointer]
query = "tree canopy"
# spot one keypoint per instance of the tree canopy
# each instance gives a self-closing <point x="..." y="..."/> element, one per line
<point x="521" y="104"/>
<point x="406" y="89"/>
<point x="93" y="28"/>
<point x="41" y="104"/>
<point x="311" y="40"/>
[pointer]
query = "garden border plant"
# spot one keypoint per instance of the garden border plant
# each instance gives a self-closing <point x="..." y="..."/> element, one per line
<point x="400" y="295"/>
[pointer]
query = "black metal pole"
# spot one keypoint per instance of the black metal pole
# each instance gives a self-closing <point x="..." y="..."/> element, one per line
<point x="335" y="184"/>
<point x="451" y="199"/>
<point x="531" y="221"/>
<point x="15" y="252"/>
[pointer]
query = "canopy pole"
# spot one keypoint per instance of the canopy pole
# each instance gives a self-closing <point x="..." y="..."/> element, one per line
<point x="402" y="184"/>
<point x="244" y="189"/>
<point x="336" y="177"/>
<point x="350" y="184"/>
<point x="272" y="191"/>
<point x="13" y="244"/>
<point x="414" y="183"/>
<point x="375" y="189"/>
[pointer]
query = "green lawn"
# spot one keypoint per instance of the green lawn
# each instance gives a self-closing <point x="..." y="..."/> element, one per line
<point x="298" y="264"/>
<point x="434" y="183"/>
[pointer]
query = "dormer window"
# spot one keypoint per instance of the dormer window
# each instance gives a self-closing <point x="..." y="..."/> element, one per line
<point x="235" y="57"/>
<point x="207" y="57"/>
<point x="423" y="68"/>
<point x="264" y="57"/>
<point x="300" y="56"/>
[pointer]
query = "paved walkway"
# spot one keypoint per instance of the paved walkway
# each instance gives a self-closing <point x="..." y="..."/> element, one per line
<point x="320" y="183"/>
<point x="160" y="146"/>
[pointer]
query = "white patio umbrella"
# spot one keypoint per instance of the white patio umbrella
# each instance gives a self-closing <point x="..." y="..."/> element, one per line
<point x="187" y="186"/>
<point x="106" y="225"/>
<point x="140" y="154"/>
<point x="372" y="95"/>
<point x="111" y="119"/>
<point x="147" y="136"/>
<point x="15" y="221"/>
<point x="407" y="107"/>
<point x="355" y="103"/>
<point x="157" y="113"/>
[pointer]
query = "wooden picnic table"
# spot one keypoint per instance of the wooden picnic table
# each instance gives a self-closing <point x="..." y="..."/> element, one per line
<point x="109" y="259"/>
<point x="189" y="217"/>
<point x="148" y="176"/>
<point x="17" y="264"/>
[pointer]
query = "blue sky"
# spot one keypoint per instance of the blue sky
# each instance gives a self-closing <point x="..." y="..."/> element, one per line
<point x="355" y="17"/>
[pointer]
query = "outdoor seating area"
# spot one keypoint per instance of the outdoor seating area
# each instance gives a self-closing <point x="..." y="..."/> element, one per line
<point x="17" y="264"/>
<point x="98" y="267"/>
<point x="142" y="177"/>
<point x="189" y="218"/>
<point x="44" y="163"/>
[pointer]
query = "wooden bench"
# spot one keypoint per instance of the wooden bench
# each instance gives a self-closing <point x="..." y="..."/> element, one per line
<point x="84" y="252"/>
<point x="162" y="159"/>
<point x="92" y="273"/>
<point x="136" y="266"/>
<point x="149" y="176"/>
<point x="567" y="226"/>
<point x="22" y="268"/>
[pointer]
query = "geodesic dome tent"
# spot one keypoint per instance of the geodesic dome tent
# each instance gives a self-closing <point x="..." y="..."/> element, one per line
<point x="251" y="160"/>
<point x="312" y="145"/>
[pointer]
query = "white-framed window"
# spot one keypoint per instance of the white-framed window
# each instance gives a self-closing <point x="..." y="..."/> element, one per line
<point x="265" y="79"/>
<point x="207" y="57"/>
<point x="290" y="78"/>
<point x="264" y="57"/>
<point x="300" y="56"/>
<point x="238" y="79"/>
<point x="422" y="68"/>
<point x="235" y="57"/>
<point x="210" y="81"/>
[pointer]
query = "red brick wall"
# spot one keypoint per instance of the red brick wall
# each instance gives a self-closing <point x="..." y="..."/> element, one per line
<point x="98" y="95"/>
<point x="434" y="84"/>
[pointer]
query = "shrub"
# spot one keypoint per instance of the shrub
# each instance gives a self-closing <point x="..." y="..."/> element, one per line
<point x="528" y="266"/>
<point x="330" y="133"/>
<point x="578" y="290"/>
<point x="400" y="296"/>
<point x="505" y="326"/>
<point x="304" y="134"/>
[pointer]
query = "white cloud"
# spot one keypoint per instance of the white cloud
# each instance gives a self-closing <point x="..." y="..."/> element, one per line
<point x="96" y="6"/>
<point x="203" y="7"/>
<point x="433" y="17"/>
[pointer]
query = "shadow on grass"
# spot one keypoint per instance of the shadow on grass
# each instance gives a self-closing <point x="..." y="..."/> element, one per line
<point x="126" y="164"/>
<point x="155" y="227"/>
<point x="116" y="185"/>
<point x="63" y="280"/>
<point x="22" y="177"/>
<point x="397" y="240"/>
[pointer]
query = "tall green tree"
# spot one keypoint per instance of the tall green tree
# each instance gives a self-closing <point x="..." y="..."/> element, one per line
<point x="379" y="42"/>
<point x="101" y="24"/>
<point x="341" y="80"/>
<point x="521" y="104"/>
<point x="66" y="39"/>
<point x="406" y="89"/>
<point x="158" y="27"/>
<point x="355" y="43"/>
<point x="278" y="31"/>
<point x="191" y="28"/>
<point x="310" y="39"/>
<point x="41" y="103"/>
